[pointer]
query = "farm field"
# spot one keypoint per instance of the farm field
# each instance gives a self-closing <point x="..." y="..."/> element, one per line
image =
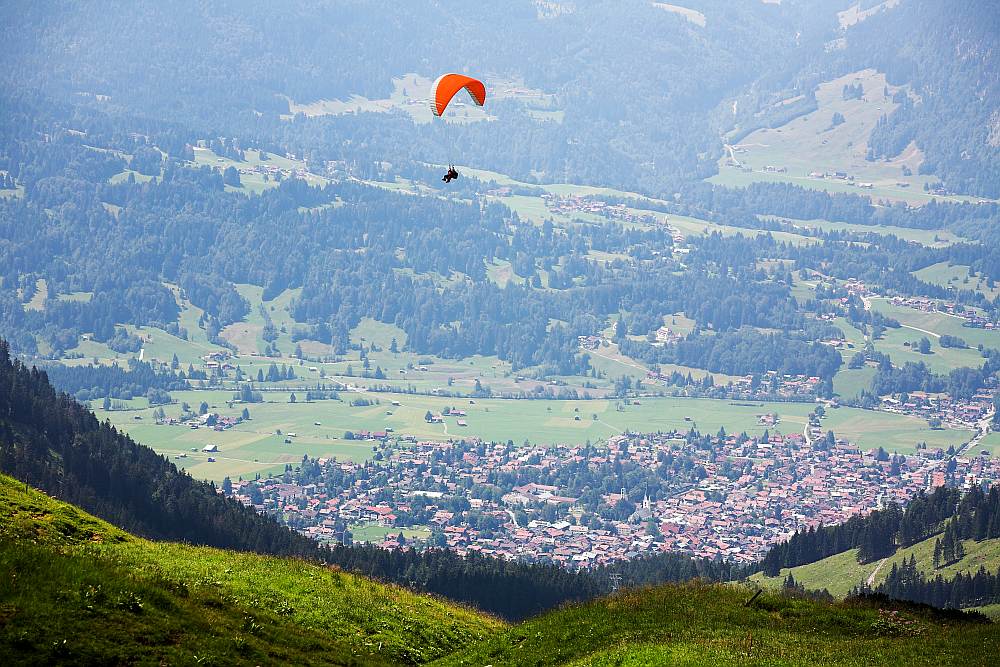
<point x="849" y="382"/>
<point x="940" y="360"/>
<point x="937" y="323"/>
<point x="254" y="446"/>
<point x="371" y="532"/>
<point x="990" y="443"/>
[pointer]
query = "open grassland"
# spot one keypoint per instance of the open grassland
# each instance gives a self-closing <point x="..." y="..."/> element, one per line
<point x="938" y="324"/>
<point x="254" y="182"/>
<point x="841" y="573"/>
<point x="940" y="360"/>
<point x="371" y="532"/>
<point x="850" y="382"/>
<point x="957" y="277"/>
<point x="256" y="446"/>
<point x="79" y="591"/>
<point x="37" y="301"/>
<point x="699" y="624"/>
<point x="933" y="238"/>
<point x="990" y="443"/>
<point x="811" y="143"/>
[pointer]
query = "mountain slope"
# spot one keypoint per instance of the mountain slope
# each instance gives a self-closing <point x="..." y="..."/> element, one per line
<point x="698" y="624"/>
<point x="78" y="590"/>
<point x="50" y="441"/>
<point x="841" y="573"/>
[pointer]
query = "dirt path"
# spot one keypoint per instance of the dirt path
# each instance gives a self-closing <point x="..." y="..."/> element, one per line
<point x="871" y="577"/>
<point x="631" y="364"/>
<point x="923" y="331"/>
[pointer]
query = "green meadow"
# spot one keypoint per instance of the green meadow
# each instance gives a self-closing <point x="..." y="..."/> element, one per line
<point x="256" y="447"/>
<point x="957" y="276"/>
<point x="81" y="591"/>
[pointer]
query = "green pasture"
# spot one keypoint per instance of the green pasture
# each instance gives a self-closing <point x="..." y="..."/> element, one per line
<point x="255" y="446"/>
<point x="849" y="382"/>
<point x="373" y="532"/>
<point x="811" y="143"/>
<point x="957" y="276"/>
<point x="940" y="360"/>
<point x="937" y="322"/>
<point x="934" y="238"/>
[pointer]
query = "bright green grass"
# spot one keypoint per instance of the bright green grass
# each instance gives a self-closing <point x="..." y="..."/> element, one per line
<point x="850" y="382"/>
<point x="700" y="624"/>
<point x="947" y="275"/>
<point x="941" y="359"/>
<point x="372" y="532"/>
<point x="854" y="338"/>
<point x="837" y="574"/>
<point x="79" y="591"/>
<point x="938" y="323"/>
<point x="841" y="573"/>
<point x="991" y="610"/>
<point x="870" y="429"/>
<point x="991" y="443"/>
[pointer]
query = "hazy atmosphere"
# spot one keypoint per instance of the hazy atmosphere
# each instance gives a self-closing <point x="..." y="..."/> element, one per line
<point x="357" y="332"/>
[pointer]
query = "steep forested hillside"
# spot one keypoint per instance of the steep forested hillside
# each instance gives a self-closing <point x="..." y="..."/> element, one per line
<point x="50" y="441"/>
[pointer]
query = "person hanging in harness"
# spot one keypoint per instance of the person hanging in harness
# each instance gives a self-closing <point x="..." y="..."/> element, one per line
<point x="451" y="175"/>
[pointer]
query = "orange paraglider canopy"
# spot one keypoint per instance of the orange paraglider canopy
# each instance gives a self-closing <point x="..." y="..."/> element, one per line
<point x="448" y="85"/>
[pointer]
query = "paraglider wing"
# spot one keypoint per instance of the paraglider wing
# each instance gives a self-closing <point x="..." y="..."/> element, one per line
<point x="448" y="85"/>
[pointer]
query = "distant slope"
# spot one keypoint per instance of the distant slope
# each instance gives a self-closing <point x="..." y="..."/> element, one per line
<point x="840" y="573"/>
<point x="697" y="624"/>
<point x="77" y="590"/>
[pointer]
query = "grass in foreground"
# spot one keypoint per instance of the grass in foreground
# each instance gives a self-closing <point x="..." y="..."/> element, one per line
<point x="700" y="624"/>
<point x="77" y="590"/>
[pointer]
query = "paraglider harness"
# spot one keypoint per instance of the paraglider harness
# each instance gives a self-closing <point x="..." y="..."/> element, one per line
<point x="451" y="175"/>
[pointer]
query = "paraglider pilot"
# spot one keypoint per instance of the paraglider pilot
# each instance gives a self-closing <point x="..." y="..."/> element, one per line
<point x="451" y="175"/>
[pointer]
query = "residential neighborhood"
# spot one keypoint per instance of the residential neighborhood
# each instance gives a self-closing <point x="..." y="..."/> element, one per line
<point x="726" y="496"/>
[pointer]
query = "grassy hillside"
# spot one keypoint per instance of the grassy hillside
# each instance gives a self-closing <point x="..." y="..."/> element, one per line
<point x="698" y="624"/>
<point x="841" y="572"/>
<point x="78" y="590"/>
